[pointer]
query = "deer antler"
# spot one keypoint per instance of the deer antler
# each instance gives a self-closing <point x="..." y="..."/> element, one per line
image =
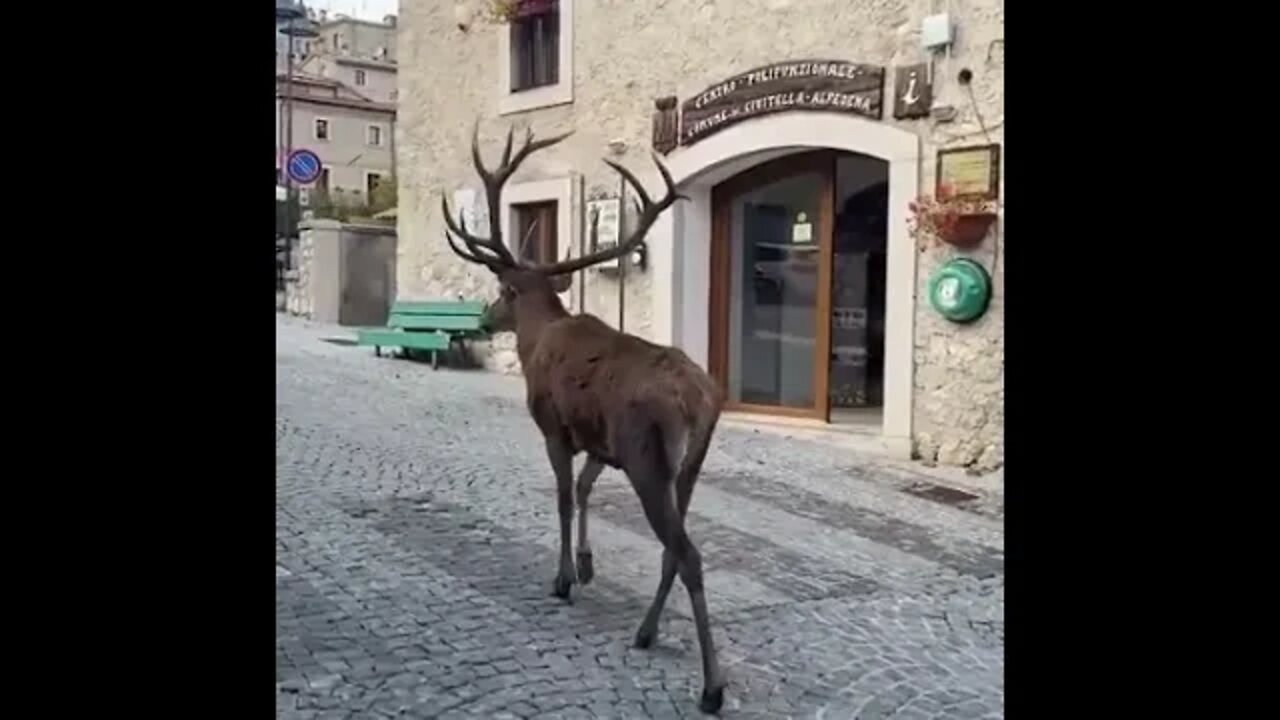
<point x="649" y="212"/>
<point x="491" y="252"/>
<point x="524" y="243"/>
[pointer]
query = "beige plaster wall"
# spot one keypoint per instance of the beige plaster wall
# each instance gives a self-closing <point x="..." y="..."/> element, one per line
<point x="627" y="53"/>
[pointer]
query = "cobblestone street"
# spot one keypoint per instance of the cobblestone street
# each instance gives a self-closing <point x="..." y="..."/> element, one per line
<point x="417" y="539"/>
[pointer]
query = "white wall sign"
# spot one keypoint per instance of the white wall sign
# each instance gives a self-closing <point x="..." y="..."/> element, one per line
<point x="607" y="217"/>
<point x="473" y="209"/>
<point x="606" y="213"/>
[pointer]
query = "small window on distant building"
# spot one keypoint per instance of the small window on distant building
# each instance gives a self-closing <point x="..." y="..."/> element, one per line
<point x="371" y="182"/>
<point x="535" y="45"/>
<point x="360" y="79"/>
<point x="375" y="135"/>
<point x="322" y="129"/>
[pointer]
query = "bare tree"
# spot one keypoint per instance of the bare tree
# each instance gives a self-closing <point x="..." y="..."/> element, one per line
<point x="645" y="409"/>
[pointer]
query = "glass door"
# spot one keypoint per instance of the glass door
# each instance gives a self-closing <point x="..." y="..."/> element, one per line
<point x="771" y="294"/>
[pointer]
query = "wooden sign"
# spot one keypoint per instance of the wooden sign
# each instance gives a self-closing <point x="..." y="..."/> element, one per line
<point x="813" y="85"/>
<point x="666" y="124"/>
<point x="970" y="172"/>
<point x="912" y="91"/>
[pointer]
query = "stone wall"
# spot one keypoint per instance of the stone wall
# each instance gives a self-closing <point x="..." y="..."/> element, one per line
<point x="298" y="284"/>
<point x="959" y="369"/>
<point x="343" y="273"/>
<point x="628" y="53"/>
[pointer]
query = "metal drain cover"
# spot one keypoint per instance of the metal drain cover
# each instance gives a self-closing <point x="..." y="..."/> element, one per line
<point x="940" y="493"/>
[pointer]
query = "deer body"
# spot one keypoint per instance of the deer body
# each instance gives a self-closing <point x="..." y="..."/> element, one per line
<point x="645" y="409"/>
<point x="577" y="393"/>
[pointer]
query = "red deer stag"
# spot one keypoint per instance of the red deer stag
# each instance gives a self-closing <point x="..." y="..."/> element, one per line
<point x="645" y="409"/>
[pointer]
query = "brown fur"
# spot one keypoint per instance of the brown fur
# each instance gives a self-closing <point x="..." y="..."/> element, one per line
<point x="600" y="388"/>
<point x="645" y="409"/>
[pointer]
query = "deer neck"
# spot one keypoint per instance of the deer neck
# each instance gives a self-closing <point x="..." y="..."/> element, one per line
<point x="532" y="317"/>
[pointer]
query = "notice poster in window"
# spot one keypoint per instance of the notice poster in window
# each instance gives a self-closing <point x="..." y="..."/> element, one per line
<point x="802" y="230"/>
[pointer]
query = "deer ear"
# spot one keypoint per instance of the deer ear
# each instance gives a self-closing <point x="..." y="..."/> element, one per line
<point x="562" y="282"/>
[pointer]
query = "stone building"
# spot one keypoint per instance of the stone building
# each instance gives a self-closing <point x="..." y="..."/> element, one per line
<point x="801" y="131"/>
<point x="351" y="134"/>
<point x="371" y="77"/>
<point x="352" y="37"/>
<point x="358" y="53"/>
<point x="342" y="36"/>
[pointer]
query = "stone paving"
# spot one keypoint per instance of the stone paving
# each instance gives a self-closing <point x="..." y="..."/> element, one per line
<point x="417" y="540"/>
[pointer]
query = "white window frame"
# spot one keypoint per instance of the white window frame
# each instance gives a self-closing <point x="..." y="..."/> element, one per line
<point x="360" y="74"/>
<point x="560" y="190"/>
<point x="381" y="135"/>
<point x="560" y="93"/>
<point x="315" y="131"/>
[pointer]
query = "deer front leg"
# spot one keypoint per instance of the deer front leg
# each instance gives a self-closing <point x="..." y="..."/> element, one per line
<point x="561" y="456"/>
<point x="586" y="480"/>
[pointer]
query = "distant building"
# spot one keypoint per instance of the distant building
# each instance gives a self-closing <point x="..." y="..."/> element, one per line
<point x="351" y="132"/>
<point x="350" y="37"/>
<point x="349" y="40"/>
<point x="375" y="79"/>
<point x="344" y="101"/>
<point x="301" y="47"/>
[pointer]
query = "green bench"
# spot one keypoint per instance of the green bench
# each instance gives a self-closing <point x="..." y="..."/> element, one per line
<point x="431" y="325"/>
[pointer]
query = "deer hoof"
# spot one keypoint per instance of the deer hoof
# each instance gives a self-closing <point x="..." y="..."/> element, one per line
<point x="586" y="570"/>
<point x="711" y="700"/>
<point x="644" y="638"/>
<point x="563" y="584"/>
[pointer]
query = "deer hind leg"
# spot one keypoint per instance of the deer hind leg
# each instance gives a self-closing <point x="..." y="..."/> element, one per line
<point x="561" y="456"/>
<point x="661" y="509"/>
<point x="586" y="480"/>
<point x="688" y="477"/>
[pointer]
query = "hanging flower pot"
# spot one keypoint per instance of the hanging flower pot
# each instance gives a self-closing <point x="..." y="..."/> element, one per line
<point x="967" y="231"/>
<point x="506" y="11"/>
<point x="959" y="221"/>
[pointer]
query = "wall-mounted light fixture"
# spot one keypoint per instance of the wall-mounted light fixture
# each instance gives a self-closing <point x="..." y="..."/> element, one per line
<point x="640" y="256"/>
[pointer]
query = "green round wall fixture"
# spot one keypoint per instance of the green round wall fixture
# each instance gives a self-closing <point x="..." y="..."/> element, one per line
<point x="960" y="290"/>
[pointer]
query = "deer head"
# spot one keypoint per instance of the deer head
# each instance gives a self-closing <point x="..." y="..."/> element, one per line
<point x="536" y="284"/>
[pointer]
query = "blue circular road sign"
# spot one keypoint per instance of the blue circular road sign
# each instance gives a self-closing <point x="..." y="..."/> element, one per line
<point x="304" y="166"/>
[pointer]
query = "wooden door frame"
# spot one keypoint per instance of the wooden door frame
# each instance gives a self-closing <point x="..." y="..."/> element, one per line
<point x="722" y="195"/>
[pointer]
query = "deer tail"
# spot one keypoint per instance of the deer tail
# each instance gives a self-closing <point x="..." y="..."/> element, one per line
<point x="697" y="443"/>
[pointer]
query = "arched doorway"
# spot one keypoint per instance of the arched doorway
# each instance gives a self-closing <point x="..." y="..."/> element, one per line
<point x="797" y="291"/>
<point x="680" y="241"/>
